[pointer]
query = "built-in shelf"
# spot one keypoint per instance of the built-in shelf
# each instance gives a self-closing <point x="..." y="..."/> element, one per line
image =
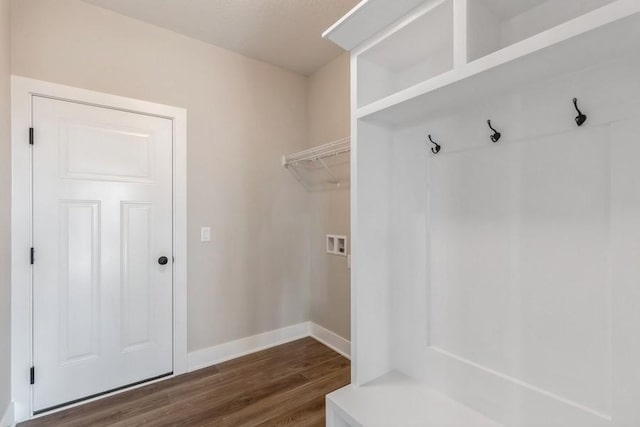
<point x="496" y="24"/>
<point x="461" y="279"/>
<point x="383" y="69"/>
<point x="573" y="45"/>
<point x="366" y="19"/>
<point x="396" y="400"/>
<point x="413" y="67"/>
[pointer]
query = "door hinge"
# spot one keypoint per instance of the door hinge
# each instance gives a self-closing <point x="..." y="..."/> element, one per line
<point x="32" y="256"/>
<point x="31" y="136"/>
<point x="32" y="375"/>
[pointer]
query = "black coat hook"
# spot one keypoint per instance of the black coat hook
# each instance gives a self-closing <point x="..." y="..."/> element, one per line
<point x="496" y="135"/>
<point x="436" y="148"/>
<point x="580" y="118"/>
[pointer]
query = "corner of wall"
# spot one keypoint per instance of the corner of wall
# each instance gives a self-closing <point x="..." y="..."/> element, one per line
<point x="329" y="119"/>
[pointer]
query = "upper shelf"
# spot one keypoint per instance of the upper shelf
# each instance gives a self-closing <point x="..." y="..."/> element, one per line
<point x="366" y="19"/>
<point x="421" y="49"/>
<point x="594" y="36"/>
<point x="496" y="24"/>
<point x="448" y="52"/>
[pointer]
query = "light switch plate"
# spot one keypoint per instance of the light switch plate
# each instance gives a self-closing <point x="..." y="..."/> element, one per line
<point x="205" y="234"/>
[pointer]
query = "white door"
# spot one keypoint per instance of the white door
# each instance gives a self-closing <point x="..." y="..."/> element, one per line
<point x="102" y="221"/>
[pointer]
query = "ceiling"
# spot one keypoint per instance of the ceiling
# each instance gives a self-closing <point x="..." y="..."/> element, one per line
<point x="285" y="33"/>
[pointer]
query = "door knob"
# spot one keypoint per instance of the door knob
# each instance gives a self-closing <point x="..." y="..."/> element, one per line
<point x="163" y="260"/>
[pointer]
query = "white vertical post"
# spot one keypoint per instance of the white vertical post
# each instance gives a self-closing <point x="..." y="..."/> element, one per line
<point x="459" y="33"/>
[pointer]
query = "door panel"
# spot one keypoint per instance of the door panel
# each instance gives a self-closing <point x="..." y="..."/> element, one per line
<point x="137" y="303"/>
<point x="102" y="216"/>
<point x="93" y="151"/>
<point x="79" y="280"/>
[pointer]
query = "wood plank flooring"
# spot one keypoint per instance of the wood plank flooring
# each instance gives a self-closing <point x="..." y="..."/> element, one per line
<point x="281" y="386"/>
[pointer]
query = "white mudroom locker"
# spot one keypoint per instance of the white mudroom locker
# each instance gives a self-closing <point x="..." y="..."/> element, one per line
<point x="495" y="213"/>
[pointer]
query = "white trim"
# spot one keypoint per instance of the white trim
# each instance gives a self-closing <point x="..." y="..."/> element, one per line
<point x="353" y="220"/>
<point x="365" y="19"/>
<point x="516" y="381"/>
<point x="330" y="339"/>
<point x="180" y="332"/>
<point x="8" y="420"/>
<point x="230" y="350"/>
<point x="22" y="91"/>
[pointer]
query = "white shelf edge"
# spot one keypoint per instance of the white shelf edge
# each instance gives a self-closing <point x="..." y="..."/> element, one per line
<point x="398" y="26"/>
<point x="574" y="28"/>
<point x="423" y="88"/>
<point x="344" y="20"/>
<point x="372" y="16"/>
<point x="396" y="398"/>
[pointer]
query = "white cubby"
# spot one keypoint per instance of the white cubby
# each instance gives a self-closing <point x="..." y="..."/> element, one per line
<point x="607" y="32"/>
<point x="383" y="69"/>
<point x="496" y="24"/>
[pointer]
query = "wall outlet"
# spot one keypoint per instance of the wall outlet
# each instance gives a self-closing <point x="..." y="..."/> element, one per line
<point x="336" y="245"/>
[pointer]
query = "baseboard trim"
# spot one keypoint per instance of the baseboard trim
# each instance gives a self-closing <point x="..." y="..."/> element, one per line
<point x="220" y="353"/>
<point x="330" y="339"/>
<point x="209" y="356"/>
<point x="8" y="419"/>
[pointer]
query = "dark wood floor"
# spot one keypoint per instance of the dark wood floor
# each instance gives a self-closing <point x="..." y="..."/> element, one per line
<point x="281" y="386"/>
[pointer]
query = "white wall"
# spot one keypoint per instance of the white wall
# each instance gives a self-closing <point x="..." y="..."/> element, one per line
<point x="242" y="115"/>
<point x="329" y="120"/>
<point x="5" y="204"/>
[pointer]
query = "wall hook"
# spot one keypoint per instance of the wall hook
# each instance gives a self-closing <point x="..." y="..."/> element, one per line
<point x="496" y="135"/>
<point x="580" y="118"/>
<point x="436" y="148"/>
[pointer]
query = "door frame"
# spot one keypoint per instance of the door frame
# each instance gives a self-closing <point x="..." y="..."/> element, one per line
<point x="22" y="92"/>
